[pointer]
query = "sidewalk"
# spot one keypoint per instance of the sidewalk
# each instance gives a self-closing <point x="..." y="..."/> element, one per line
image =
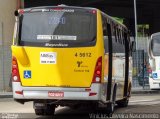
<point x="140" y="90"/>
<point x="6" y="95"/>
<point x="135" y="91"/>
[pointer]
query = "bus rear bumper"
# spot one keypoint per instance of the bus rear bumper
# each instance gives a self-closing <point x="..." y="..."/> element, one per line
<point x="56" y="93"/>
<point x="155" y="86"/>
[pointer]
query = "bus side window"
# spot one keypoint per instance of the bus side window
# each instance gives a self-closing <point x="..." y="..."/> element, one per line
<point x="109" y="35"/>
<point x="113" y="32"/>
<point x="114" y="41"/>
<point x="116" y="33"/>
<point x="152" y="45"/>
<point x="105" y="33"/>
<point x="120" y="33"/>
<point x="122" y="41"/>
<point x="124" y="37"/>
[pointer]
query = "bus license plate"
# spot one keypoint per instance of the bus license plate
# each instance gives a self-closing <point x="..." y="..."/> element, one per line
<point x="56" y="94"/>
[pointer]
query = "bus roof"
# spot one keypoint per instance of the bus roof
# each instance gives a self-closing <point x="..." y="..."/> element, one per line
<point x="114" y="20"/>
<point x="76" y="7"/>
<point x="64" y="6"/>
<point x="155" y="34"/>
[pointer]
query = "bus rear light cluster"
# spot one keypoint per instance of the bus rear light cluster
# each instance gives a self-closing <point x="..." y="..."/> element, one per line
<point x="92" y="94"/>
<point x="150" y="72"/>
<point x="98" y="71"/>
<point x="19" y="92"/>
<point x="21" y="11"/>
<point x="15" y="70"/>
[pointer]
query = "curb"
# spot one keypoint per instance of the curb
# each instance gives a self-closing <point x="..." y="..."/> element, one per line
<point x="6" y="95"/>
<point x="145" y="92"/>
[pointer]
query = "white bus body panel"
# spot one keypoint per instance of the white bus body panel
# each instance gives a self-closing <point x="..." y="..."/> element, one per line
<point x="154" y="77"/>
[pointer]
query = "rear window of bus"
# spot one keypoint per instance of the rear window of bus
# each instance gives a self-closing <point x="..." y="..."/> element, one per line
<point x="71" y="27"/>
<point x="155" y="45"/>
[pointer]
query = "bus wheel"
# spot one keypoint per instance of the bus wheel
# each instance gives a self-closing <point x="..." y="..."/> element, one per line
<point x="39" y="111"/>
<point x="110" y="109"/>
<point x="48" y="111"/>
<point x="44" y="109"/>
<point x="123" y="103"/>
<point x="111" y="105"/>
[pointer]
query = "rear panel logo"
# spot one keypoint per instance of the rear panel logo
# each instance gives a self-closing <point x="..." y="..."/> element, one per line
<point x="79" y="63"/>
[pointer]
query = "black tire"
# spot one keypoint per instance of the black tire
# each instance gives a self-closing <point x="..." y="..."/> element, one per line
<point x="49" y="110"/>
<point x="110" y="109"/>
<point x="111" y="105"/>
<point x="74" y="107"/>
<point x="39" y="111"/>
<point x="123" y="103"/>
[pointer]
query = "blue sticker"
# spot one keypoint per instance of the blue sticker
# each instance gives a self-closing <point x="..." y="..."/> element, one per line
<point x="155" y="75"/>
<point x="27" y="74"/>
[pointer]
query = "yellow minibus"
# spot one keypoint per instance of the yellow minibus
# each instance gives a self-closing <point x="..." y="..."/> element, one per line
<point x="70" y="56"/>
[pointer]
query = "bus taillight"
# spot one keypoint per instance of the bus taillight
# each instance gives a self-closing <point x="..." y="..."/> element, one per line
<point x="15" y="70"/>
<point x="149" y="71"/>
<point x="21" y="11"/>
<point x="94" y="11"/>
<point x="98" y="71"/>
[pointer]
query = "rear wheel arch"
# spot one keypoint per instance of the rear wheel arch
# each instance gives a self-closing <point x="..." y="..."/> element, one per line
<point x="124" y="102"/>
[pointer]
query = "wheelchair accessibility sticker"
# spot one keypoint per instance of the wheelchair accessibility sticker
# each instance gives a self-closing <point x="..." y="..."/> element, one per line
<point x="27" y="74"/>
<point x="155" y="75"/>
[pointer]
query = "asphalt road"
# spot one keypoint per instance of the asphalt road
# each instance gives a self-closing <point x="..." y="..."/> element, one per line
<point x="140" y="106"/>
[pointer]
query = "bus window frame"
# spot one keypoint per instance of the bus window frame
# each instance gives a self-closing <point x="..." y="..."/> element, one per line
<point x="36" y="44"/>
<point x="105" y="33"/>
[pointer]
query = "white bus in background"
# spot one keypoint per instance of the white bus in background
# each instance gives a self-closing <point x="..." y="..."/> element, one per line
<point x="154" y="61"/>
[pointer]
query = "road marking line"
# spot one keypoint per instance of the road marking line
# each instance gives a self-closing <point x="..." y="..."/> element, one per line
<point x="142" y="101"/>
